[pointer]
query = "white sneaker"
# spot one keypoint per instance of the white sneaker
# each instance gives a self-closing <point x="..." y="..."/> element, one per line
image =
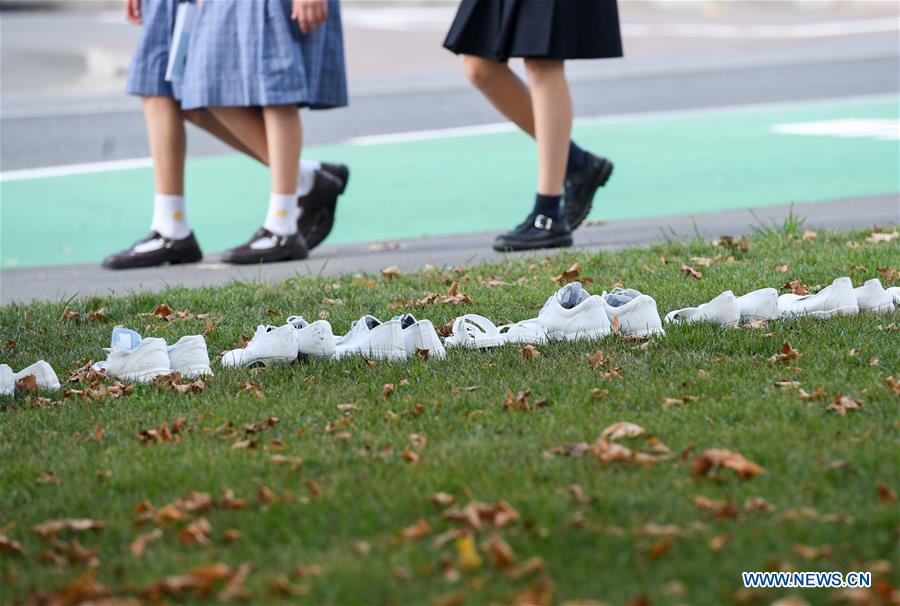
<point x="894" y="291"/>
<point x="43" y="373"/>
<point x="316" y="339"/>
<point x="872" y="298"/>
<point x="475" y="332"/>
<point x="637" y="313"/>
<point x="839" y="299"/>
<point x="142" y="364"/>
<point x="7" y="381"/>
<point x="270" y="345"/>
<point x="723" y="310"/>
<point x="760" y="304"/>
<point x="189" y="356"/>
<point x="370" y="337"/>
<point x="420" y="335"/>
<point x="570" y="314"/>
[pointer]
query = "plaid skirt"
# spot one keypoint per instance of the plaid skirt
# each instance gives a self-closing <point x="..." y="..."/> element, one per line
<point x="250" y="53"/>
<point x="147" y="75"/>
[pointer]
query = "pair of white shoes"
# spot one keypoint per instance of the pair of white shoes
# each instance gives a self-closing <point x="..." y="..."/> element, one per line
<point x="841" y="299"/>
<point x="395" y="340"/>
<point x="140" y="360"/>
<point x="838" y="299"/>
<point x="44" y="376"/>
<point x="571" y="314"/>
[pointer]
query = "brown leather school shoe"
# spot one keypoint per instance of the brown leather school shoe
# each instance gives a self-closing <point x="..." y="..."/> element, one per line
<point x="155" y="250"/>
<point x="266" y="247"/>
<point x="318" y="207"/>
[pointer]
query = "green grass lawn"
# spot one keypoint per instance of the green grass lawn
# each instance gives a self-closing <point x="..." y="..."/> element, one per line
<point x="338" y="493"/>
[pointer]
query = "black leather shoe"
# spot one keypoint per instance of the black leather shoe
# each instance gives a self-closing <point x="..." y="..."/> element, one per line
<point x="278" y="248"/>
<point x="581" y="187"/>
<point x="318" y="208"/>
<point x="340" y="171"/>
<point x="155" y="250"/>
<point x="538" y="231"/>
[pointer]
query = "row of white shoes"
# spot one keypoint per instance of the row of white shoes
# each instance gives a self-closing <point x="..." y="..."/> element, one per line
<point x="837" y="299"/>
<point x="570" y="314"/>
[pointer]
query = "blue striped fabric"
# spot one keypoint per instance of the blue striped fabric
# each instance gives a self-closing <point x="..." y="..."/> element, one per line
<point x="147" y="75"/>
<point x="248" y="53"/>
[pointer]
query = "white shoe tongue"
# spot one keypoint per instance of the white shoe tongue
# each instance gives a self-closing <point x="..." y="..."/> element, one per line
<point x="571" y="295"/>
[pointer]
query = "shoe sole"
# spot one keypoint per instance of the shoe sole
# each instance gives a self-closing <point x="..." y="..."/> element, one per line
<point x="559" y="242"/>
<point x="601" y="180"/>
<point x="883" y="309"/>
<point x="292" y="257"/>
<point x="145" y="377"/>
<point x="193" y="258"/>
<point x="477" y="344"/>
<point x="825" y="315"/>
<point x="590" y="335"/>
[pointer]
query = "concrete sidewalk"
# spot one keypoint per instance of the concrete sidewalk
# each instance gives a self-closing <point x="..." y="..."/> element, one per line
<point x="62" y="282"/>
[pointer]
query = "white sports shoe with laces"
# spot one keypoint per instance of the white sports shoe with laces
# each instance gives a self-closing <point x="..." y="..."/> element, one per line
<point x="571" y="314"/>
<point x="189" y="356"/>
<point x="872" y="298"/>
<point x="7" y="381"/>
<point x="475" y="332"/>
<point x="637" y="313"/>
<point x="723" y="310"/>
<point x="315" y="340"/>
<point x="270" y="345"/>
<point x="894" y="292"/>
<point x="760" y="304"/>
<point x="368" y="336"/>
<point x="43" y="373"/>
<point x="839" y="299"/>
<point x="148" y="360"/>
<point x="420" y="335"/>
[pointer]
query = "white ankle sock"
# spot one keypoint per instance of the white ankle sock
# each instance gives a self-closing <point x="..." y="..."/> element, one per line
<point x="170" y="217"/>
<point x="283" y="214"/>
<point x="306" y="176"/>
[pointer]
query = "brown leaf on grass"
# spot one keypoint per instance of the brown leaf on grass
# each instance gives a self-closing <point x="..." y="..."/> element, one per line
<point x="501" y="554"/>
<point x="539" y="595"/>
<point x="530" y="352"/>
<point x="410" y="456"/>
<point x="196" y="532"/>
<point x="570" y="275"/>
<point x="234" y="589"/>
<point x="491" y="282"/>
<point x="808" y="235"/>
<point x="418" y="440"/>
<point x="787" y="353"/>
<point x="69" y="315"/>
<point x="10" y="346"/>
<point x="817" y="394"/>
<point x="754" y="324"/>
<point x="229" y="501"/>
<point x="174" y="381"/>
<point x="362" y="548"/>
<point x="787" y="384"/>
<point x="253" y="428"/>
<point x="893" y="384"/>
<point x="740" y="244"/>
<point x="782" y="269"/>
<point x="423" y="354"/>
<point x="598" y="393"/>
<point x="447" y="329"/>
<point x="885" y="493"/>
<point x="454" y="297"/>
<point x="711" y="459"/>
<point x="442" y="499"/>
<point x="808" y="552"/>
<point x="889" y="274"/>
<point x="758" y="504"/>
<point x="599" y="360"/>
<point x="419" y="530"/>
<point x="200" y="580"/>
<point x="842" y="404"/>
<point x="681" y="400"/>
<point x="27" y="384"/>
<point x="701" y="261"/>
<point x="82" y="590"/>
<point x="266" y="495"/>
<point x="797" y="287"/>
<point x="616" y="330"/>
<point x="49" y="529"/>
<point x="254" y="389"/>
<point x="518" y="401"/>
<point x="691" y="272"/>
<point x="477" y="515"/>
<point x="387" y="389"/>
<point x="162" y="311"/>
<point x="47" y="478"/>
<point x="10" y="546"/>
<point x="877" y="237"/>
<point x="608" y="450"/>
<point x="159" y="435"/>
<point x="139" y="544"/>
<point x="314" y="489"/>
<point x="529" y="567"/>
<point x="389" y="273"/>
<point x="721" y="510"/>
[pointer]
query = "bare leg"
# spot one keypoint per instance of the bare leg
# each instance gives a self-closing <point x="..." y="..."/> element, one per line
<point x="165" y="130"/>
<point x="246" y="124"/>
<point x="503" y="89"/>
<point x="284" y="141"/>
<point x="205" y="119"/>
<point x="552" y="120"/>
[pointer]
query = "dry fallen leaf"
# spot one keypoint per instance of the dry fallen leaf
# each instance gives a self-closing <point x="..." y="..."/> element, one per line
<point x="691" y="272"/>
<point x="842" y="404"/>
<point x="49" y="530"/>
<point x="387" y="389"/>
<point x="787" y="353"/>
<point x="758" y="504"/>
<point x="27" y="384"/>
<point x="442" y="499"/>
<point x="10" y="546"/>
<point x="47" y="478"/>
<point x="879" y="236"/>
<point x="501" y="554"/>
<point x="201" y="580"/>
<point x="196" y="532"/>
<point x="139" y="545"/>
<point x="68" y="315"/>
<point x="719" y="509"/>
<point x="885" y="493"/>
<point x="467" y="553"/>
<point x="415" y="532"/>
<point x="818" y="394"/>
<point x="389" y="273"/>
<point x="539" y="595"/>
<point x="518" y="401"/>
<point x="713" y="458"/>
<point x="809" y="235"/>
<point x="530" y="352"/>
<point x="893" y="384"/>
<point x="570" y="275"/>
<point x="608" y="450"/>
<point x="808" y="552"/>
<point x="782" y="269"/>
<point x="797" y="287"/>
<point x="718" y="542"/>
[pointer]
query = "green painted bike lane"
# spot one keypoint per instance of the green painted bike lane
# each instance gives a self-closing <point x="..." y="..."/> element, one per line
<point x="665" y="164"/>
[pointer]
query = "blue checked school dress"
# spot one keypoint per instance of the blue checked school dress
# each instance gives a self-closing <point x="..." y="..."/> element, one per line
<point x="147" y="75"/>
<point x="250" y="53"/>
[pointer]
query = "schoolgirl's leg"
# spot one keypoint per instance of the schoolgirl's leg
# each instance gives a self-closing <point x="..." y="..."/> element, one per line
<point x="168" y="143"/>
<point x="552" y="122"/>
<point x="503" y="88"/>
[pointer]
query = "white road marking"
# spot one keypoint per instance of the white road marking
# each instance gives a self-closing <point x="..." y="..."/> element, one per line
<point x="848" y="128"/>
<point x="824" y="29"/>
<point x="74" y="169"/>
